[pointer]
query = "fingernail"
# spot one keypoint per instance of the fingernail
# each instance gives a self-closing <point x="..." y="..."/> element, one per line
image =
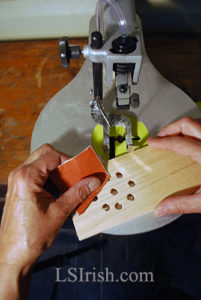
<point x="160" y="135"/>
<point x="160" y="211"/>
<point x="94" y="184"/>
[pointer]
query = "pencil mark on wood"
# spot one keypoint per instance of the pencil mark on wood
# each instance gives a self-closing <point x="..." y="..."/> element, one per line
<point x="38" y="75"/>
<point x="11" y="122"/>
<point x="1" y="133"/>
<point x="2" y="111"/>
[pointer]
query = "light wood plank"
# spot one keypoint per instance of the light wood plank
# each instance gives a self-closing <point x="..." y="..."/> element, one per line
<point x="156" y="174"/>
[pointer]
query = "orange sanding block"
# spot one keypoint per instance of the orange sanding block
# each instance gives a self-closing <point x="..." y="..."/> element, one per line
<point x="79" y="167"/>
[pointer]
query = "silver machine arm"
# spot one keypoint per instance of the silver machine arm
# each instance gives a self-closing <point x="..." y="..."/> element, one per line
<point x="115" y="44"/>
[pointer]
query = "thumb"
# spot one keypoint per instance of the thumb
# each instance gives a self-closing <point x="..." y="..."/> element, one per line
<point x="77" y="193"/>
<point x="187" y="204"/>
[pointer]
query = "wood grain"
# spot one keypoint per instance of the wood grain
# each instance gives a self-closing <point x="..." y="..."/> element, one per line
<point x="156" y="174"/>
<point x="31" y="74"/>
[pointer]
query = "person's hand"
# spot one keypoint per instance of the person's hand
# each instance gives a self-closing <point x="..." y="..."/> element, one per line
<point x="32" y="218"/>
<point x="184" y="137"/>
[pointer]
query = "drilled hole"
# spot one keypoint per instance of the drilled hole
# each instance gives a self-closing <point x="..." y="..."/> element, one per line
<point x="106" y="207"/>
<point x="113" y="192"/>
<point x="95" y="199"/>
<point x="118" y="206"/>
<point x="119" y="175"/>
<point x="131" y="183"/>
<point x="130" y="197"/>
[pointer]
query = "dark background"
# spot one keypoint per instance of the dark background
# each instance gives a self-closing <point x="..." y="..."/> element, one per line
<point x="170" y="16"/>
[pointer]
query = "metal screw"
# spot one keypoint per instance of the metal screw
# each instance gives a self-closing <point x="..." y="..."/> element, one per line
<point x="123" y="88"/>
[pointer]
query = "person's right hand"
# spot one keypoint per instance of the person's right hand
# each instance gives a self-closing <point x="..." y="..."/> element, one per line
<point x="32" y="218"/>
<point x="184" y="137"/>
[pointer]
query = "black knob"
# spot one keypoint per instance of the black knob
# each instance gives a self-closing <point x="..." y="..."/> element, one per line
<point x="124" y="44"/>
<point x="96" y="40"/>
<point x="67" y="52"/>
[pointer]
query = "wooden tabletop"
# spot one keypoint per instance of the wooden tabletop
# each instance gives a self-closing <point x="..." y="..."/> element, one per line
<point x="30" y="74"/>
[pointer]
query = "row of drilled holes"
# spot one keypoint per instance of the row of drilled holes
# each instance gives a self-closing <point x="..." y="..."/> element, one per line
<point x="130" y="182"/>
<point x="129" y="196"/>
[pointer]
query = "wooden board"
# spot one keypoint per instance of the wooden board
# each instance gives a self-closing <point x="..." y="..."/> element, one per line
<point x="30" y="74"/>
<point x="139" y="181"/>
